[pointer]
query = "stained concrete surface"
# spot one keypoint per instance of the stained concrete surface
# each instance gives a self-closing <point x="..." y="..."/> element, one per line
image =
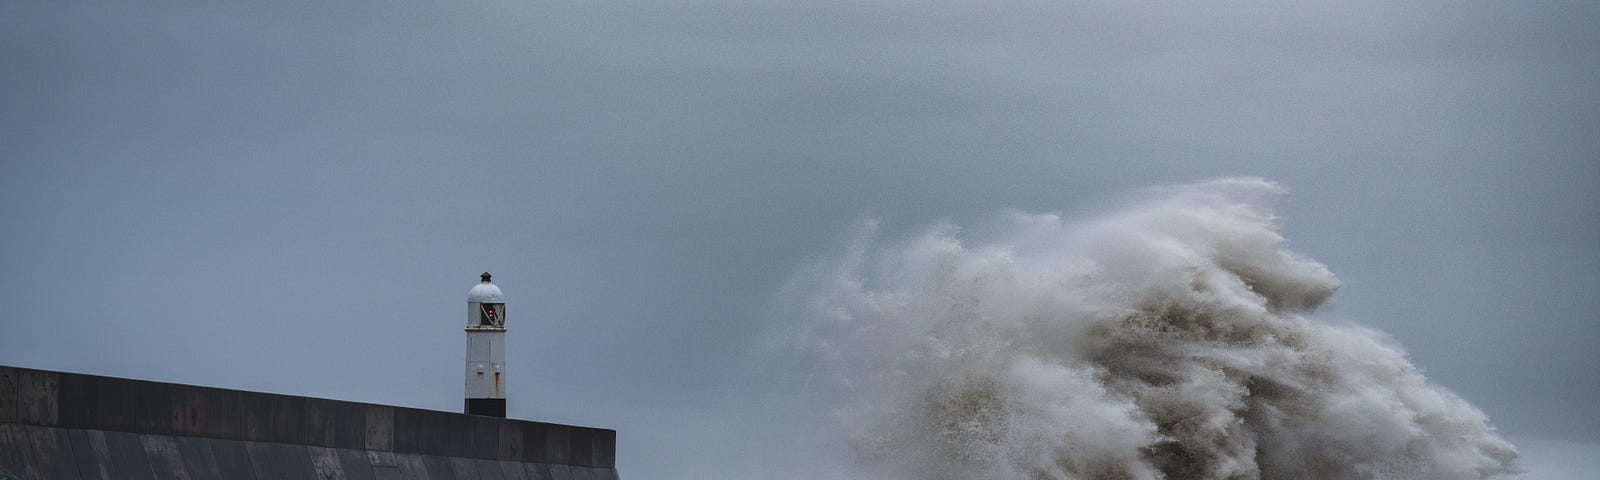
<point x="56" y="425"/>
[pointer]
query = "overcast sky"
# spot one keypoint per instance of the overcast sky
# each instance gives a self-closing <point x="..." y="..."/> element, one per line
<point x="295" y="196"/>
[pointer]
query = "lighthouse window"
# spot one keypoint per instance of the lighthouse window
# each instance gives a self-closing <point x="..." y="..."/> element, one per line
<point x="491" y="314"/>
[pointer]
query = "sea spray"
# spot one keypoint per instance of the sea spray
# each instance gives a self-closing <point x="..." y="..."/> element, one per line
<point x="1169" y="338"/>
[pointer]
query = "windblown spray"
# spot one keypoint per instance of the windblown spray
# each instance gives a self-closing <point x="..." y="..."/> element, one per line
<point x="1168" y="339"/>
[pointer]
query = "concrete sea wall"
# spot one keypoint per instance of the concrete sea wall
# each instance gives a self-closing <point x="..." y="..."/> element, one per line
<point x="57" y="425"/>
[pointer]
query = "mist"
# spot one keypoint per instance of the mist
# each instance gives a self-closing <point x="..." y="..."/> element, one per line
<point x="1172" y="336"/>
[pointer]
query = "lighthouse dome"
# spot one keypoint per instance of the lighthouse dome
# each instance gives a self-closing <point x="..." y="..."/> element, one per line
<point x="485" y="292"/>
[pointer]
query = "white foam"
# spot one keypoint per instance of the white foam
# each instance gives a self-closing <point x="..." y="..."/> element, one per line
<point x="1169" y="339"/>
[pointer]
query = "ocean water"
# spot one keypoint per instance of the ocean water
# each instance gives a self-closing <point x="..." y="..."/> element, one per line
<point x="1169" y="337"/>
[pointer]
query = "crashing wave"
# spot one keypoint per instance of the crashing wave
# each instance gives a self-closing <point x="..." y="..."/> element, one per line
<point x="1168" y="339"/>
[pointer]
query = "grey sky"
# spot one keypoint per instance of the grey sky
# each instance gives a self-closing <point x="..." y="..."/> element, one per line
<point x="296" y="197"/>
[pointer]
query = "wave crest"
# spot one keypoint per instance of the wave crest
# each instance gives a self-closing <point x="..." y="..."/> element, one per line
<point x="1168" y="339"/>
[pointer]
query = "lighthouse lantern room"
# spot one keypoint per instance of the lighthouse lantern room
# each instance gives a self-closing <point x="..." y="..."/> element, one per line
<point x="486" y="352"/>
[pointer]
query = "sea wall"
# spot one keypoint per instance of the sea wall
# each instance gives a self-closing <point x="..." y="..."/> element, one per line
<point x="57" y="425"/>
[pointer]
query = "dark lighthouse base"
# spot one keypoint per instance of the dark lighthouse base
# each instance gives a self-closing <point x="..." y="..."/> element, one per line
<point x="488" y="407"/>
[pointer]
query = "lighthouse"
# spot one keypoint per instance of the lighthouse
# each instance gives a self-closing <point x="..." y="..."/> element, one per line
<point x="486" y="350"/>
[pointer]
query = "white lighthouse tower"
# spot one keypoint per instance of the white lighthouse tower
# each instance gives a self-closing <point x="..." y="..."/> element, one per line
<point x="486" y="350"/>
